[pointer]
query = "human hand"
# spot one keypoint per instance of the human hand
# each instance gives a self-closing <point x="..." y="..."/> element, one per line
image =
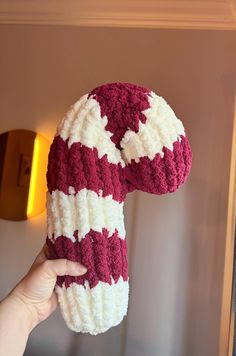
<point x="35" y="292"/>
<point x="31" y="301"/>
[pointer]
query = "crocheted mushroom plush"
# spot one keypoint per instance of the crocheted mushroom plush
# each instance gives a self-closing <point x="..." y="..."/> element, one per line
<point x="118" y="138"/>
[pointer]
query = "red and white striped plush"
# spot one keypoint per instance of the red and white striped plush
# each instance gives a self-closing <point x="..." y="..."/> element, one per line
<point x="118" y="138"/>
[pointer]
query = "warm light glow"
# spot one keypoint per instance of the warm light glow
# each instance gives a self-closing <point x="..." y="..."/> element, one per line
<point x="33" y="178"/>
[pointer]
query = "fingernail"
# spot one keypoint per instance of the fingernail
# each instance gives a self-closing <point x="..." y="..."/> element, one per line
<point x="81" y="268"/>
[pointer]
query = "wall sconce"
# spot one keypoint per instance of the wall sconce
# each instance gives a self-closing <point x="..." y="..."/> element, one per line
<point x="23" y="166"/>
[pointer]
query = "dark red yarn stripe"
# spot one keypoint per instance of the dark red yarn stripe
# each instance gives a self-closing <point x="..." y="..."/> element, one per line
<point x="80" y="168"/>
<point x="105" y="257"/>
<point x="123" y="104"/>
<point x="161" y="175"/>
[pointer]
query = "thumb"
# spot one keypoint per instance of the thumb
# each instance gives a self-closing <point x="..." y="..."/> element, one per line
<point x="62" y="267"/>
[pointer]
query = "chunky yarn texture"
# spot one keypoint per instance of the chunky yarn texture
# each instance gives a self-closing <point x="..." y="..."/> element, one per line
<point x="118" y="138"/>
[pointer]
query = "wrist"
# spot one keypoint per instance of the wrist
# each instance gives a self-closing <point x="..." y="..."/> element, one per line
<point x="23" y="311"/>
<point x="16" y="323"/>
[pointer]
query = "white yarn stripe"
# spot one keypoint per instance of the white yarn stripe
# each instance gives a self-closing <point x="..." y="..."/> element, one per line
<point x="64" y="125"/>
<point x="94" y="310"/>
<point x="83" y="211"/>
<point x="83" y="123"/>
<point x="161" y="129"/>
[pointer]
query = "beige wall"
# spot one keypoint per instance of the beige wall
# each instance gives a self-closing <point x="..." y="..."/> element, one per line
<point x="177" y="241"/>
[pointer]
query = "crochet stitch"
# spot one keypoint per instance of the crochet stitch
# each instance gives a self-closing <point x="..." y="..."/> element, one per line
<point x="118" y="138"/>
